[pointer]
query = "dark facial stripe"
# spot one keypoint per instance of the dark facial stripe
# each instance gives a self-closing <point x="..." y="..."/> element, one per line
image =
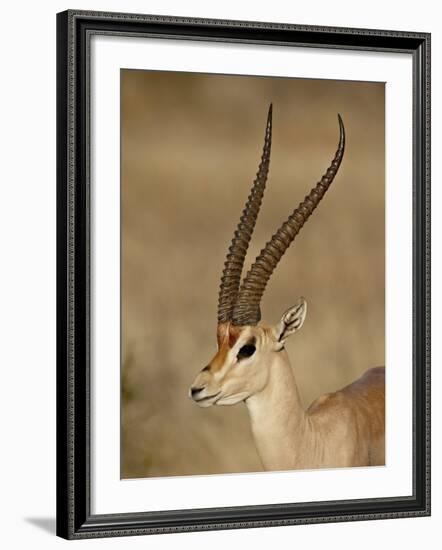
<point x="233" y="336"/>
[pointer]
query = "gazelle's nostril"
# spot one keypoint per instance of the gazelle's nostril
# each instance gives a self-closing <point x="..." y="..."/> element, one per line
<point x="194" y="391"/>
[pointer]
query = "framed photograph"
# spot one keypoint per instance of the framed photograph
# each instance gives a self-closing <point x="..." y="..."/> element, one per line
<point x="243" y="274"/>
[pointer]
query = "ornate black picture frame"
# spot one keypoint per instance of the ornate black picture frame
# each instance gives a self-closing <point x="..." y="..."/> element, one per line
<point x="74" y="518"/>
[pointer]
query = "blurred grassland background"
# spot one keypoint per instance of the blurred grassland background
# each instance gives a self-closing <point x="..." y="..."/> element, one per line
<point x="191" y="145"/>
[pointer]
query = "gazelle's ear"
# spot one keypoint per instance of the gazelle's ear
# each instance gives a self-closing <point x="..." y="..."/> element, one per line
<point x="291" y="321"/>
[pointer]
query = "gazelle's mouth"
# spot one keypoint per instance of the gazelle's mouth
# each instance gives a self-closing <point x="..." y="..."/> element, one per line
<point x="206" y="398"/>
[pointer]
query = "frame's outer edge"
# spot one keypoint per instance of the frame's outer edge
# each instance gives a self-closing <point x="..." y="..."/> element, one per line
<point x="427" y="263"/>
<point x="242" y="24"/>
<point x="426" y="266"/>
<point x="62" y="527"/>
<point x="73" y="514"/>
<point x="72" y="244"/>
<point x="421" y="275"/>
<point x="427" y="168"/>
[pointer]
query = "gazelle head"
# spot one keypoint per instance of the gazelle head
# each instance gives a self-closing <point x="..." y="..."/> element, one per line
<point x="240" y="368"/>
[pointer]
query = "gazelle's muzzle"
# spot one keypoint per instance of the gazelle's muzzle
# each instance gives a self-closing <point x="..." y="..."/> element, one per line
<point x="203" y="391"/>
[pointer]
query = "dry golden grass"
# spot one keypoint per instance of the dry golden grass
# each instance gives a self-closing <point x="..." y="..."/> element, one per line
<point x="190" y="148"/>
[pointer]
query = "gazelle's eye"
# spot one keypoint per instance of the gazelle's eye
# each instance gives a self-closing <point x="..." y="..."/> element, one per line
<point x="246" y="351"/>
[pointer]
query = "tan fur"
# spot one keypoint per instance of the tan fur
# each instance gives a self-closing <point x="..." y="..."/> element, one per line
<point x="341" y="429"/>
<point x="360" y="406"/>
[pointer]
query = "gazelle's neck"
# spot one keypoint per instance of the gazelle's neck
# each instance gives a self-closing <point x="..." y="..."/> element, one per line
<point x="279" y="423"/>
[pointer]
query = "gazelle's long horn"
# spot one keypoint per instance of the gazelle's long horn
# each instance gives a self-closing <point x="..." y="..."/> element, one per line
<point x="231" y="276"/>
<point x="247" y="307"/>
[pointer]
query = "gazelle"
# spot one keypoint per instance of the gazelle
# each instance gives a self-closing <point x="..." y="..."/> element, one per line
<point x="340" y="429"/>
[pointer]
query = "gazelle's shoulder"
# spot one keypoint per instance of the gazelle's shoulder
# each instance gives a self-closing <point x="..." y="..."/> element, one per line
<point x="370" y="384"/>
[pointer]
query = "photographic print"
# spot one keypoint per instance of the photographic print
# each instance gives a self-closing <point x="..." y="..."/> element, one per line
<point x="253" y="274"/>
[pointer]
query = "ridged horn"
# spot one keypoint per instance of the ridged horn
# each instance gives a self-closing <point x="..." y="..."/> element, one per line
<point x="247" y="306"/>
<point x="231" y="276"/>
